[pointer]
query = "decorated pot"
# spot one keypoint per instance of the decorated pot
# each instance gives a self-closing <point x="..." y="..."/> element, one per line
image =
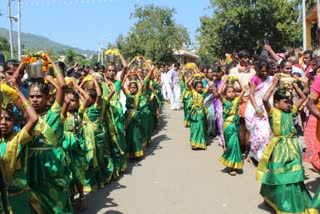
<point x="34" y="70"/>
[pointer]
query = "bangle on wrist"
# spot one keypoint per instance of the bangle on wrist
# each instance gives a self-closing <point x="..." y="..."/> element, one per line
<point x="26" y="104"/>
<point x="258" y="110"/>
<point x="57" y="71"/>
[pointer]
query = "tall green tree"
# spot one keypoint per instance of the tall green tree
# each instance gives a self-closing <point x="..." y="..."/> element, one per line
<point x="70" y="55"/>
<point x="243" y="24"/>
<point x="4" y="47"/>
<point x="154" y="35"/>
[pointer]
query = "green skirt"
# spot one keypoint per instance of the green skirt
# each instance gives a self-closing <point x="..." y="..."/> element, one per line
<point x="100" y="163"/>
<point x="282" y="183"/>
<point x="198" y="138"/>
<point x="134" y="135"/>
<point x="49" y="177"/>
<point x="76" y="150"/>
<point x="232" y="157"/>
<point x="186" y="100"/>
<point x="119" y="157"/>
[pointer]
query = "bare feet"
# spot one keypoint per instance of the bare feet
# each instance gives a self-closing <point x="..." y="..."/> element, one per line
<point x="232" y="172"/>
<point x="249" y="160"/>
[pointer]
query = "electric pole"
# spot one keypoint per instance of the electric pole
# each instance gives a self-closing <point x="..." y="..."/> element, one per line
<point x="304" y="25"/>
<point x="10" y="29"/>
<point x="19" y="30"/>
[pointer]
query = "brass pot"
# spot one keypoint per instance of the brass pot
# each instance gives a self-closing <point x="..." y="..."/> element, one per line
<point x="34" y="70"/>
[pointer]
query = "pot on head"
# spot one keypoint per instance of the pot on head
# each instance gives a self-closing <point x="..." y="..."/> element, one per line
<point x="34" y="70"/>
<point x="111" y="58"/>
<point x="139" y="63"/>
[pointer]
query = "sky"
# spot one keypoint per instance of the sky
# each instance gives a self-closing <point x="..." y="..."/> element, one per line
<point x="83" y="23"/>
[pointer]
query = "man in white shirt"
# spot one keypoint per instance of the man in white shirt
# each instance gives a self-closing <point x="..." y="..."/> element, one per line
<point x="165" y="85"/>
<point x="173" y="77"/>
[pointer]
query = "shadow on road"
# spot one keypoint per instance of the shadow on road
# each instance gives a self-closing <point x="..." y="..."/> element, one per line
<point x="154" y="145"/>
<point x="312" y="186"/>
<point x="98" y="201"/>
<point x="266" y="207"/>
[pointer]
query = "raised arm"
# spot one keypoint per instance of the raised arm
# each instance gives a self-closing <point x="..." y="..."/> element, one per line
<point x="130" y="63"/>
<point x="141" y="82"/>
<point x="61" y="86"/>
<point x="150" y="73"/>
<point x="268" y="94"/>
<point x="31" y="113"/>
<point x="302" y="96"/>
<point x="271" y="52"/>
<point x="124" y="65"/>
<point x="98" y="90"/>
<point x="65" y="107"/>
<point x="243" y="90"/>
<point x="221" y="89"/>
<point x="82" y="93"/>
<point x="189" y="82"/>
<point x="112" y="90"/>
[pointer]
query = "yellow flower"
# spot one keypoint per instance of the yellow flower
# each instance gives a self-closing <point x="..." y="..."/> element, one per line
<point x="112" y="51"/>
<point x="191" y="66"/>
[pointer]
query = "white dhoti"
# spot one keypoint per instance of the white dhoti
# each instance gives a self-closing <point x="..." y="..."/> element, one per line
<point x="166" y="91"/>
<point x="175" y="98"/>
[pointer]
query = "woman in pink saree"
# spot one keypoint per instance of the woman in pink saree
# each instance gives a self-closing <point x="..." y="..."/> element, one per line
<point x="256" y="117"/>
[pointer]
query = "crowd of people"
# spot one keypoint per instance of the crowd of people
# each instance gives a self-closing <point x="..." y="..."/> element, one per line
<point x="264" y="109"/>
<point x="70" y="131"/>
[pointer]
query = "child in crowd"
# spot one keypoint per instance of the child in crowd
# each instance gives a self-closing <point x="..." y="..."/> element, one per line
<point x="133" y="115"/>
<point x="198" y="114"/>
<point x="280" y="168"/>
<point x="231" y="157"/>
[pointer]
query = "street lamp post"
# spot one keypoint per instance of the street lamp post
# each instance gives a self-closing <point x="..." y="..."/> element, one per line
<point x="10" y="29"/>
<point x="304" y="25"/>
<point x="19" y="30"/>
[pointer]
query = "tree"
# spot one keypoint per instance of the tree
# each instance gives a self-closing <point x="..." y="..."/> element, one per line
<point x="70" y="56"/>
<point x="243" y="24"/>
<point x="155" y="35"/>
<point x="5" y="47"/>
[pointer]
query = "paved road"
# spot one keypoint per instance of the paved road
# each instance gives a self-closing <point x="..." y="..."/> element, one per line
<point x="173" y="179"/>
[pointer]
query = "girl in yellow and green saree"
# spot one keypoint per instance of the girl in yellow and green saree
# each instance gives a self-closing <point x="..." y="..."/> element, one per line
<point x="280" y="168"/>
<point x="145" y="104"/>
<point x="133" y="115"/>
<point x="198" y="114"/>
<point x="48" y="172"/>
<point x="74" y="144"/>
<point x="186" y="96"/>
<point x="13" y="154"/>
<point x="231" y="156"/>
<point x="100" y="164"/>
<point x="114" y="116"/>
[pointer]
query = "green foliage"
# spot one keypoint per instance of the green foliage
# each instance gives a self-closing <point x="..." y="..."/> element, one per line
<point x="243" y="24"/>
<point x="155" y="35"/>
<point x="5" y="47"/>
<point x="70" y="55"/>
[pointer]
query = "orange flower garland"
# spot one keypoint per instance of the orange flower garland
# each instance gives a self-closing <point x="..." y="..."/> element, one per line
<point x="35" y="57"/>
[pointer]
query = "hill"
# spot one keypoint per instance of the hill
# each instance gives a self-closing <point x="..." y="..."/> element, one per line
<point x="29" y="40"/>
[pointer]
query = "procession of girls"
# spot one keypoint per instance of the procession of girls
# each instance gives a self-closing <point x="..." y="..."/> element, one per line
<point x="253" y="112"/>
<point x="76" y="137"/>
